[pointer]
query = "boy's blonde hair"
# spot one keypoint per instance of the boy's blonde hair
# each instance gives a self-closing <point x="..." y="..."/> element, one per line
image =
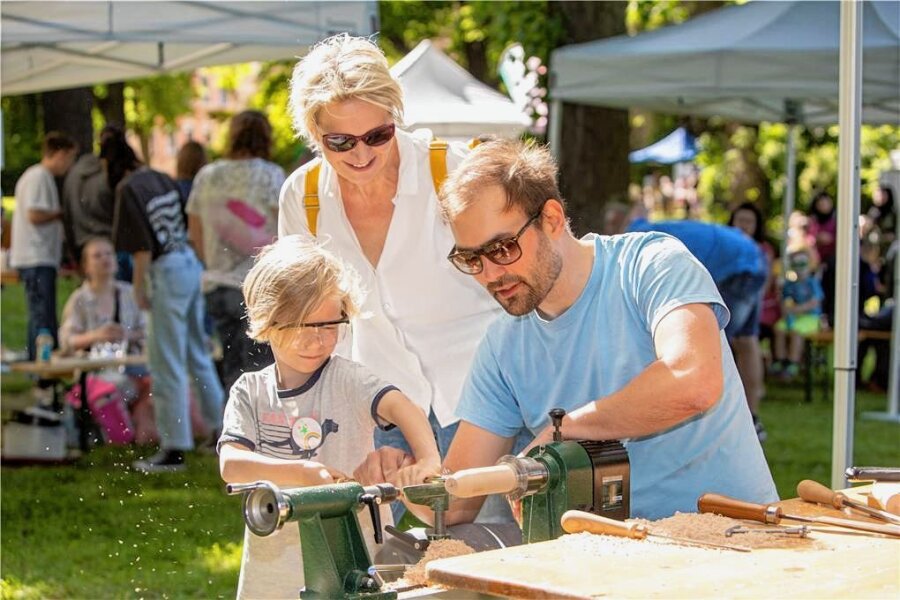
<point x="289" y="280"/>
<point x="342" y="67"/>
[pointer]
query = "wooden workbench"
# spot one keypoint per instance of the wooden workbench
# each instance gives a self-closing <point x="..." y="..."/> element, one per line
<point x="836" y="565"/>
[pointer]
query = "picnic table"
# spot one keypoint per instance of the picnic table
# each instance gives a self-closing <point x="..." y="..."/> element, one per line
<point x="63" y="367"/>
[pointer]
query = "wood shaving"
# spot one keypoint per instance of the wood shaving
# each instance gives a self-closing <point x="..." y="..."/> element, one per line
<point x="706" y="527"/>
<point x="437" y="549"/>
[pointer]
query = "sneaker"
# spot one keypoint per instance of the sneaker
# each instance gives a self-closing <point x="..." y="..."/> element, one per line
<point x="164" y="461"/>
<point x="761" y="432"/>
<point x="777" y="368"/>
<point x="791" y="370"/>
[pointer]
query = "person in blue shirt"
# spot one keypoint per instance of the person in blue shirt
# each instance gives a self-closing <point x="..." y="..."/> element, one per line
<point x="739" y="269"/>
<point x="623" y="332"/>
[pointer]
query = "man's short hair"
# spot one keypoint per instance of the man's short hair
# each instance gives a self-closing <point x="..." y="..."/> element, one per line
<point x="524" y="170"/>
<point x="289" y="280"/>
<point x="56" y="141"/>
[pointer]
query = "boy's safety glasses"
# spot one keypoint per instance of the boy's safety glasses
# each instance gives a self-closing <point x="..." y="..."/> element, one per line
<point x="323" y="332"/>
<point x="502" y="252"/>
<point x="344" y="142"/>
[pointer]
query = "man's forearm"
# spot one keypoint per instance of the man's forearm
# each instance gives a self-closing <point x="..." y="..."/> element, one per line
<point x="39" y="217"/>
<point x="657" y="399"/>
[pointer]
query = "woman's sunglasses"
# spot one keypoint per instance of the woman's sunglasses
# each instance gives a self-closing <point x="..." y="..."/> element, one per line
<point x="344" y="142"/>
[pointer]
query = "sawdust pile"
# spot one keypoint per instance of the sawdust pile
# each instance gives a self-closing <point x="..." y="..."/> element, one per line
<point x="437" y="549"/>
<point x="705" y="527"/>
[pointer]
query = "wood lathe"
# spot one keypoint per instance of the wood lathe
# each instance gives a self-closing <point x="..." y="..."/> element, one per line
<point x="592" y="476"/>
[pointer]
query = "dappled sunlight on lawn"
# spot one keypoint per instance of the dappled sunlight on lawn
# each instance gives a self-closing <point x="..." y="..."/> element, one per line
<point x="222" y="559"/>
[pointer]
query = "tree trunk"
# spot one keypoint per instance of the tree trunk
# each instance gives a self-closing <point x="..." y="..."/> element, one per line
<point x="593" y="153"/>
<point x="69" y="111"/>
<point x="476" y="58"/>
<point x="113" y="105"/>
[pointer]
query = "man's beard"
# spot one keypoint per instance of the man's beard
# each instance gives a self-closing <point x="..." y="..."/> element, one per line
<point x="533" y="290"/>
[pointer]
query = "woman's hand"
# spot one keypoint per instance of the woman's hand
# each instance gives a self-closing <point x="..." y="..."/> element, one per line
<point x="141" y="298"/>
<point x="110" y="332"/>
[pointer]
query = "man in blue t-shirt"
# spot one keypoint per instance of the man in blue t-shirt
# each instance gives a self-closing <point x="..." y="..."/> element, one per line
<point x="622" y="332"/>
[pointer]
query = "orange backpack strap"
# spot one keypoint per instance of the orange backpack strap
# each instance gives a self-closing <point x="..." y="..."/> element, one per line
<point x="437" y="153"/>
<point x="311" y="196"/>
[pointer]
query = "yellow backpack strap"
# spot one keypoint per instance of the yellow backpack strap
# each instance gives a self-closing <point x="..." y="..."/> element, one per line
<point x="437" y="153"/>
<point x="311" y="196"/>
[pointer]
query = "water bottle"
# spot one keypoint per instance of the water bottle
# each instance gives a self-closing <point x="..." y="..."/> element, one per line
<point x="43" y="345"/>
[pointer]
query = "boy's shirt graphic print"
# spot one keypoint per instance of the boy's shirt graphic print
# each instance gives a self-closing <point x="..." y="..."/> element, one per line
<point x="294" y="437"/>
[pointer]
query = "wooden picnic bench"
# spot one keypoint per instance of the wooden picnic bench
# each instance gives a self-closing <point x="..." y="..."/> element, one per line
<point x="815" y="358"/>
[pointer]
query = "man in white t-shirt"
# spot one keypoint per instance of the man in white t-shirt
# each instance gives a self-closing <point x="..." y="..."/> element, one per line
<point x="37" y="233"/>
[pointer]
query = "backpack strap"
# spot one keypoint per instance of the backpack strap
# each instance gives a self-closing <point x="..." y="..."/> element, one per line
<point x="437" y="154"/>
<point x="311" y="196"/>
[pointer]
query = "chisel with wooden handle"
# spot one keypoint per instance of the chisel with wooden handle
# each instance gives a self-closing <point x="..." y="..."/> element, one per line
<point x="770" y="513"/>
<point x="813" y="491"/>
<point x="578" y="521"/>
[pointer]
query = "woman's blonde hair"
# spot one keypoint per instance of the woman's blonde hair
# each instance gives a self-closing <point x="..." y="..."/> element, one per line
<point x="342" y="67"/>
<point x="290" y="279"/>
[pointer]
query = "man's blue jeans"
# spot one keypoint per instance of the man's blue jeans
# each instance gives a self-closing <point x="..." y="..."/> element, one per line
<point x="40" y="296"/>
<point x="176" y="346"/>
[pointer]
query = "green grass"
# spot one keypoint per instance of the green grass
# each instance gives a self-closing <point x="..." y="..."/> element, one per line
<point x="98" y="530"/>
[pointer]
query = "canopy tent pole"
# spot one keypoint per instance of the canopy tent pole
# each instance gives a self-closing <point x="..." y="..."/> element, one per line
<point x="790" y="188"/>
<point x="553" y="136"/>
<point x="847" y="279"/>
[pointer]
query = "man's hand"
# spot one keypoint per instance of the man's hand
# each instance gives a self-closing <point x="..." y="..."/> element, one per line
<point x="417" y="473"/>
<point x="542" y="439"/>
<point x="382" y="466"/>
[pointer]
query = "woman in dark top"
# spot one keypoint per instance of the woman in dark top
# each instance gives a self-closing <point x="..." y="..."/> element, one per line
<point x="150" y="223"/>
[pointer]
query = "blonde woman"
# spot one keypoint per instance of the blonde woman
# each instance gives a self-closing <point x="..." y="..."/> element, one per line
<point x="378" y="211"/>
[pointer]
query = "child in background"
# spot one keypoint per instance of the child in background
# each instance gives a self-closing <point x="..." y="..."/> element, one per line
<point x="309" y="417"/>
<point x="801" y="309"/>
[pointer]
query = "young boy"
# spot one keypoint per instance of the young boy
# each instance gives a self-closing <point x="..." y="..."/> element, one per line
<point x="801" y="307"/>
<point x="308" y="418"/>
<point x="37" y="233"/>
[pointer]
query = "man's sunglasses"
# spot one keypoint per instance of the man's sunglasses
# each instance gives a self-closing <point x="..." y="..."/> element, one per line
<point x="502" y="252"/>
<point x="344" y="142"/>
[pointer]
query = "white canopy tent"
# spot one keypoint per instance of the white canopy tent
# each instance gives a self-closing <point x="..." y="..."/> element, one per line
<point x="775" y="61"/>
<point x="442" y="96"/>
<point x="58" y="45"/>
<point x="762" y="61"/>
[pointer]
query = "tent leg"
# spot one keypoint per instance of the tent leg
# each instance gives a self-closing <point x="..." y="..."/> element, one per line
<point x="790" y="187"/>
<point x="847" y="275"/>
<point x="555" y="134"/>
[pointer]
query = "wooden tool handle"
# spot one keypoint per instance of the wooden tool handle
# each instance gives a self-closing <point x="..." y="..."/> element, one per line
<point x="481" y="481"/>
<point x="813" y="491"/>
<point x="578" y="521"/>
<point x="738" y="509"/>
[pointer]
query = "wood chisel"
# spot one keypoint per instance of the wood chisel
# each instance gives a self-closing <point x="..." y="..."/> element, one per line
<point x="813" y="491"/>
<point x="770" y="513"/>
<point x="578" y="521"/>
